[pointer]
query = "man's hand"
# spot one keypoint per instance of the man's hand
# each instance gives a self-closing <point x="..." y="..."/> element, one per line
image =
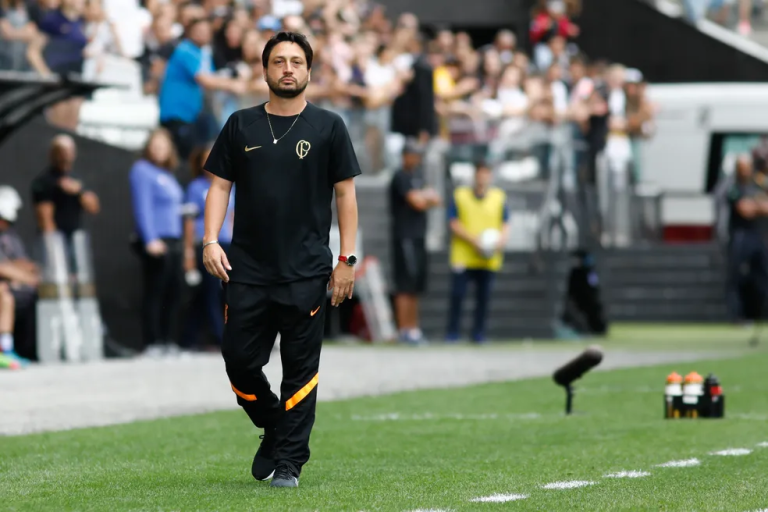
<point x="216" y="262"/>
<point x="238" y="87"/>
<point x="342" y="283"/>
<point x="90" y="202"/>
<point x="478" y="246"/>
<point x="70" y="185"/>
<point x="432" y="197"/>
<point x="156" y="248"/>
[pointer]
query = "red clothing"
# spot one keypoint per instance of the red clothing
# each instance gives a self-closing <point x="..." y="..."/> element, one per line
<point x="545" y="26"/>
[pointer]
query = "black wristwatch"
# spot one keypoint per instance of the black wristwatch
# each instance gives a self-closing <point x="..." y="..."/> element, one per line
<point x="350" y="260"/>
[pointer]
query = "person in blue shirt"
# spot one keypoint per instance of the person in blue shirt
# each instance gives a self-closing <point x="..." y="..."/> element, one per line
<point x="188" y="74"/>
<point x="208" y="301"/>
<point x="157" y="210"/>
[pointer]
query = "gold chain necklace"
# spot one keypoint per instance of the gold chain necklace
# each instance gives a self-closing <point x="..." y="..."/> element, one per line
<point x="274" y="139"/>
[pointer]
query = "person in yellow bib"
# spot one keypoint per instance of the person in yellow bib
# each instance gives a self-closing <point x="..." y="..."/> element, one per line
<point x="479" y="221"/>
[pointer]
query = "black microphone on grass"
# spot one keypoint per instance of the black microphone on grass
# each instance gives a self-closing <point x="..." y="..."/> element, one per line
<point x="574" y="369"/>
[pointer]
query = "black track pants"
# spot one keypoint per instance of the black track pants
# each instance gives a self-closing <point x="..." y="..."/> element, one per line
<point x="254" y="315"/>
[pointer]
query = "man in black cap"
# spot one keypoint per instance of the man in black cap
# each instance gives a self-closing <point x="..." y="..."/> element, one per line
<point x="409" y="201"/>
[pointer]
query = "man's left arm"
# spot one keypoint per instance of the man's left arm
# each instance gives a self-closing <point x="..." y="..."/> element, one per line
<point x="90" y="202"/>
<point x="343" y="169"/>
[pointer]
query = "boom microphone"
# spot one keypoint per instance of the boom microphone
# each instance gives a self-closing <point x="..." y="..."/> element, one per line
<point x="574" y="369"/>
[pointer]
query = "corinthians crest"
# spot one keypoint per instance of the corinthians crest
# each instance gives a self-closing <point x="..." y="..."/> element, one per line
<point x="302" y="148"/>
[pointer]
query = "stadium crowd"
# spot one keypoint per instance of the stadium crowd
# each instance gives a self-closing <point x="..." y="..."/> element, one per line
<point x="392" y="82"/>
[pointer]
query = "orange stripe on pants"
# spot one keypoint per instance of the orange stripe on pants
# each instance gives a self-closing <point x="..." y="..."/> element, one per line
<point x="302" y="393"/>
<point x="250" y="398"/>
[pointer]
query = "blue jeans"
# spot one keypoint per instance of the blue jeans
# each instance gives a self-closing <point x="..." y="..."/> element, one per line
<point x="483" y="280"/>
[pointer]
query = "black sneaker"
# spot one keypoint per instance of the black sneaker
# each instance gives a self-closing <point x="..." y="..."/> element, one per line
<point x="284" y="477"/>
<point x="264" y="461"/>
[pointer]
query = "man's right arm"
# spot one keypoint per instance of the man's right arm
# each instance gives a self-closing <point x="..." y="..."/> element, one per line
<point x="457" y="228"/>
<point x="221" y="164"/>
<point x="17" y="273"/>
<point x="44" y="213"/>
<point x="42" y="197"/>
<point x="209" y="81"/>
<point x="416" y="198"/>
<point x="216" y="204"/>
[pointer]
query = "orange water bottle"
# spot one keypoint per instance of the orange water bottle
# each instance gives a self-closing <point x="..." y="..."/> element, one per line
<point x="673" y="393"/>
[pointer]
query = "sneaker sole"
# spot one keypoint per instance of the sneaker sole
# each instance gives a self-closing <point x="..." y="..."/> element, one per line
<point x="286" y="484"/>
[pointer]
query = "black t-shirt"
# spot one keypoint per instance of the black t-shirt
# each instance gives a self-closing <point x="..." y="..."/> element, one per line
<point x="738" y="192"/>
<point x="68" y="211"/>
<point x="283" y="191"/>
<point x="406" y="221"/>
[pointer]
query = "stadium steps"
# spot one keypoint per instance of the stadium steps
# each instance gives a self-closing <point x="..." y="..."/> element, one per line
<point x="664" y="283"/>
<point x="524" y="302"/>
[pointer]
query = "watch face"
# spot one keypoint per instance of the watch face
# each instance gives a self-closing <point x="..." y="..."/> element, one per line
<point x="351" y="260"/>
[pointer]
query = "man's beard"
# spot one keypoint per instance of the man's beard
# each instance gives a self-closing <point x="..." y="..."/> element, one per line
<point x="281" y="92"/>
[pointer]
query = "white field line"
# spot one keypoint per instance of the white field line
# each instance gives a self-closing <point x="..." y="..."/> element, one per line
<point x="748" y="416"/>
<point x="500" y="498"/>
<point x="764" y="444"/>
<point x="680" y="463"/>
<point x="573" y="484"/>
<point x="627" y="474"/>
<point x="396" y="416"/>
<point x="732" y="452"/>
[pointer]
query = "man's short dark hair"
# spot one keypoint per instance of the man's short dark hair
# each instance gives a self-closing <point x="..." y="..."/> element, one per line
<point x="482" y="165"/>
<point x="290" y="37"/>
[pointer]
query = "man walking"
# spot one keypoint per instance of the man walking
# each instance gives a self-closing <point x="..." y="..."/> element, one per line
<point x="476" y="210"/>
<point x="288" y="157"/>
<point x="409" y="201"/>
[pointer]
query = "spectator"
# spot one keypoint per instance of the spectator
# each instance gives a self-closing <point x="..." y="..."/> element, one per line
<point x="17" y="30"/>
<point x="511" y="105"/>
<point x="504" y="45"/>
<point x="554" y="53"/>
<point x="208" y="301"/>
<point x="157" y="207"/>
<point x="158" y="48"/>
<point x="189" y="72"/>
<point x="60" y="197"/>
<point x="550" y="20"/>
<point x="409" y="201"/>
<point x="473" y="211"/>
<point x="19" y="278"/>
<point x="639" y="113"/>
<point x="103" y="38"/>
<point x="559" y="91"/>
<point x="413" y="112"/>
<point x="60" y="48"/>
<point x="227" y="45"/>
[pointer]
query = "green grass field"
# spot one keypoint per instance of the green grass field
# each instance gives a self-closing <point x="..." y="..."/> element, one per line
<point x="424" y="450"/>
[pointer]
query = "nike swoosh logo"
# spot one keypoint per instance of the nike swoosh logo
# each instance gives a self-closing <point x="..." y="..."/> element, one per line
<point x="315" y="311"/>
<point x="247" y="149"/>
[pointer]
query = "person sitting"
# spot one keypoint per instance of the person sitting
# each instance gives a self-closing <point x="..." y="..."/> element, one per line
<point x="19" y="277"/>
